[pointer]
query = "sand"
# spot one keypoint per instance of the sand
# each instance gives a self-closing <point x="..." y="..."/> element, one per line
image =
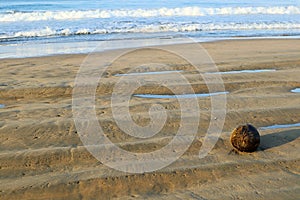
<point x="42" y="156"/>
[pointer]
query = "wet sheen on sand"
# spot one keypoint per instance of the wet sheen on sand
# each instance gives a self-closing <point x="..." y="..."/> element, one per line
<point x="167" y="96"/>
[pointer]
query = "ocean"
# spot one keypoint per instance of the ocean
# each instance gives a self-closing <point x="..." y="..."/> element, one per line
<point x="38" y="28"/>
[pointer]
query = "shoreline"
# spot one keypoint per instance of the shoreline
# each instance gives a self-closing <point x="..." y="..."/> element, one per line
<point x="89" y="46"/>
<point x="42" y="155"/>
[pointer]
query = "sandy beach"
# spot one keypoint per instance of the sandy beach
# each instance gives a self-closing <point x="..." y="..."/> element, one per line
<point x="42" y="156"/>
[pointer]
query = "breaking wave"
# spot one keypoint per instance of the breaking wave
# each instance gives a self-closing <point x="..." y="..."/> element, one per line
<point x="15" y="16"/>
<point x="153" y="28"/>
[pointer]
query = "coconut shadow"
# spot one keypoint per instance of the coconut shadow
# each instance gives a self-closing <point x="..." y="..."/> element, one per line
<point x="278" y="139"/>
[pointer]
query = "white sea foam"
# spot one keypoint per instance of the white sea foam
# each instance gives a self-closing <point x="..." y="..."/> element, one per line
<point x="37" y="33"/>
<point x="161" y="12"/>
<point x="152" y="28"/>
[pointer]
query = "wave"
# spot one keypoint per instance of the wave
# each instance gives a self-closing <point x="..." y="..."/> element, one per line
<point x="153" y="28"/>
<point x="145" y="13"/>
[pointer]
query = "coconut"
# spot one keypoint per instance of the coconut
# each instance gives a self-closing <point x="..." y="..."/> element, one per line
<point x="245" y="138"/>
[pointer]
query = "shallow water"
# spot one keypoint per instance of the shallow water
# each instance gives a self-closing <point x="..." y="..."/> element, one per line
<point x="149" y="73"/>
<point x="243" y="71"/>
<point x="166" y="96"/>
<point x="296" y="90"/>
<point x="2" y="106"/>
<point x="37" y="28"/>
<point x="276" y="126"/>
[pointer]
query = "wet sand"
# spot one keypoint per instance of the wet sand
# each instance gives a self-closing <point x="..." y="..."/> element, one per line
<point x="42" y="156"/>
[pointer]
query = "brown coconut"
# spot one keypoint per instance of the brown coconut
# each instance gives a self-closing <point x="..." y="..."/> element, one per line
<point x="245" y="138"/>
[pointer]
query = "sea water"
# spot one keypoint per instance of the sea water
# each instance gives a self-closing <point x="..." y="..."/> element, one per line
<point x="277" y="126"/>
<point x="36" y="27"/>
<point x="296" y="90"/>
<point x="184" y="96"/>
<point x="248" y="71"/>
<point x="149" y="73"/>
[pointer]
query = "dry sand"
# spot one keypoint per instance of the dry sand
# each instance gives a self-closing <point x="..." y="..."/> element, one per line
<point x="42" y="156"/>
